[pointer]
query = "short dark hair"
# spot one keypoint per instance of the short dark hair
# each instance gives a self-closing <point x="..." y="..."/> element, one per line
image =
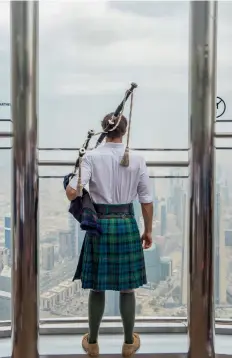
<point x="119" y="131"/>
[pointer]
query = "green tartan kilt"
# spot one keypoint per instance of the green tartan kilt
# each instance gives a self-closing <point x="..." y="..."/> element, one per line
<point x="115" y="260"/>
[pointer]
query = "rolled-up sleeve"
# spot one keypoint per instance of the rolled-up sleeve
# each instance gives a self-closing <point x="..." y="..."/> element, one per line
<point x="144" y="186"/>
<point x="86" y="171"/>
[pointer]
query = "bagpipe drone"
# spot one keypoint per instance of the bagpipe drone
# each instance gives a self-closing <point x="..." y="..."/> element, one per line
<point x="83" y="200"/>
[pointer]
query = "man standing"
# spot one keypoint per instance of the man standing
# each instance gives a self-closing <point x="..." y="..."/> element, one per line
<point x="115" y="260"/>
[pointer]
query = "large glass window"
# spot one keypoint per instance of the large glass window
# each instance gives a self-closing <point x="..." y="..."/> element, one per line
<point x="61" y="240"/>
<point x="89" y="53"/>
<point x="224" y="70"/>
<point x="5" y="232"/>
<point x="5" y="166"/>
<point x="223" y="224"/>
<point x="223" y="236"/>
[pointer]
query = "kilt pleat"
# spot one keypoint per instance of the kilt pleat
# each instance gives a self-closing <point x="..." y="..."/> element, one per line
<point x="115" y="260"/>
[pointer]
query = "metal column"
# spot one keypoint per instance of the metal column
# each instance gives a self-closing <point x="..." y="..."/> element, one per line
<point x="202" y="108"/>
<point x="24" y="36"/>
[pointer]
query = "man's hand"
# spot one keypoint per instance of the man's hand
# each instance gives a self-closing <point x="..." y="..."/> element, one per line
<point x="146" y="240"/>
<point x="71" y="193"/>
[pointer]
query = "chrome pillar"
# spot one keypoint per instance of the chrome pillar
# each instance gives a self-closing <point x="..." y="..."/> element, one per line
<point x="202" y="107"/>
<point x="24" y="33"/>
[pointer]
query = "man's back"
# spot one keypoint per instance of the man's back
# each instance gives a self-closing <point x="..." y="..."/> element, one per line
<point x="111" y="183"/>
<point x="114" y="260"/>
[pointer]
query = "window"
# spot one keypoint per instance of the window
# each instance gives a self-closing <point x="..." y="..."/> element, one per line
<point x="89" y="55"/>
<point x="61" y="239"/>
<point x="86" y="59"/>
<point x="5" y="234"/>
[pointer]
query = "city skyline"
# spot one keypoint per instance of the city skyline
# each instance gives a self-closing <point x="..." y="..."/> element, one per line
<point x="164" y="295"/>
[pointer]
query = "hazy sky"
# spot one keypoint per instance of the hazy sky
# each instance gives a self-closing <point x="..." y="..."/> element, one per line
<point x="89" y="52"/>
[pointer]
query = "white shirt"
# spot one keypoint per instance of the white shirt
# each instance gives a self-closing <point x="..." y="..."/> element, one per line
<point x="111" y="183"/>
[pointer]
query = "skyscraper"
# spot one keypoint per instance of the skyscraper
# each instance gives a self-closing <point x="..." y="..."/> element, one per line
<point x="153" y="187"/>
<point x="112" y="303"/>
<point x="152" y="262"/>
<point x="65" y="244"/>
<point x="163" y="217"/>
<point x="73" y="236"/>
<point x="184" y="262"/>
<point x="80" y="239"/>
<point x="47" y="253"/>
<point x="137" y="211"/>
<point x="220" y="268"/>
<point x="169" y="205"/>
<point x="178" y="205"/>
<point x="7" y="231"/>
<point x="156" y="207"/>
<point x="225" y="194"/>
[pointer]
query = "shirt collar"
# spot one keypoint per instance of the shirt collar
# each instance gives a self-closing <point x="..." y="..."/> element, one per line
<point x="114" y="145"/>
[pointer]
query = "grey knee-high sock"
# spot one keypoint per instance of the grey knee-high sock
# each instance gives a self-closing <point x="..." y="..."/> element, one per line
<point x="96" y="307"/>
<point x="127" y="310"/>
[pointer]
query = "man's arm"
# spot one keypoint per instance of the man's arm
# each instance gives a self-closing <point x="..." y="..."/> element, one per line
<point x="86" y="171"/>
<point x="145" y="198"/>
<point x="71" y="193"/>
<point x="147" y="211"/>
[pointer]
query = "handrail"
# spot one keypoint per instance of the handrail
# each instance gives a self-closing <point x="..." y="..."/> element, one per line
<point x="217" y="120"/>
<point x="5" y="120"/>
<point x="70" y="149"/>
<point x="176" y="164"/>
<point x="223" y="135"/>
<point x="116" y="319"/>
<point x="223" y="121"/>
<point x="150" y="176"/>
<point x="6" y="134"/>
<point x="134" y="149"/>
<point x="216" y="135"/>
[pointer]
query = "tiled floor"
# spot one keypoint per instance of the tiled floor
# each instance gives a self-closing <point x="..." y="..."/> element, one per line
<point x="111" y="344"/>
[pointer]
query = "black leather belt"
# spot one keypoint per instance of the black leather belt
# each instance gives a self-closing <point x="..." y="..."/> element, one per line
<point x="114" y="216"/>
<point x="114" y="211"/>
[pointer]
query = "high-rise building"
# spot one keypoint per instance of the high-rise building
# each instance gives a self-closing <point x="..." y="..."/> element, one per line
<point x="156" y="207"/>
<point x="218" y="172"/>
<point x="178" y="205"/>
<point x="152" y="262"/>
<point x="80" y="239"/>
<point x="153" y="187"/>
<point x="1" y="258"/>
<point x="220" y="265"/>
<point x="225" y="194"/>
<point x="47" y="256"/>
<point x="5" y="296"/>
<point x="169" y="205"/>
<point x="165" y="268"/>
<point x="4" y="259"/>
<point x="65" y="244"/>
<point x="112" y="303"/>
<point x="228" y="237"/>
<point x="7" y="229"/>
<point x="137" y="211"/>
<point x="184" y="248"/>
<point x="163" y="220"/>
<point x="73" y="227"/>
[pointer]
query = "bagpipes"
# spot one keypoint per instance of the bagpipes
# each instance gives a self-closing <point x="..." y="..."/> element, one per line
<point x="76" y="206"/>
